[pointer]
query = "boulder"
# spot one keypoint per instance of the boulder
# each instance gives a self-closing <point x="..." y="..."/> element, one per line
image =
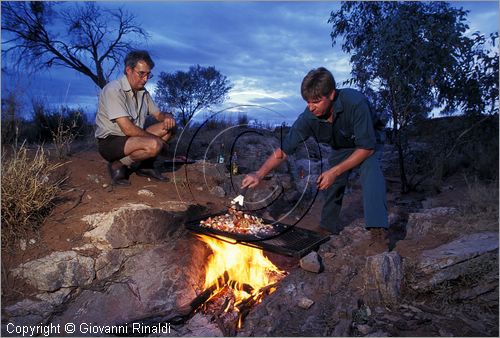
<point x="154" y="281"/>
<point x="133" y="224"/>
<point x="31" y="312"/>
<point x="57" y="270"/>
<point x="454" y="259"/>
<point x="114" y="305"/>
<point x="383" y="277"/>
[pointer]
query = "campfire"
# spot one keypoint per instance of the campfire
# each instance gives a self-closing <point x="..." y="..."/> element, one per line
<point x="237" y="278"/>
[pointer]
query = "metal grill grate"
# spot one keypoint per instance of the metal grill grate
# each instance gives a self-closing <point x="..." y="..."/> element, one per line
<point x="288" y="240"/>
<point x="296" y="242"/>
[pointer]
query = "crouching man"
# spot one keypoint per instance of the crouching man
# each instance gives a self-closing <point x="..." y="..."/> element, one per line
<point x="343" y="119"/>
<point x="122" y="139"/>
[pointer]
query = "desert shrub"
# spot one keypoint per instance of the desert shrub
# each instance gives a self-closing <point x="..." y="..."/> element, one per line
<point x="480" y="198"/>
<point x="242" y="119"/>
<point x="217" y="121"/>
<point x="460" y="144"/>
<point x="59" y="126"/>
<point x="66" y="132"/>
<point x="30" y="184"/>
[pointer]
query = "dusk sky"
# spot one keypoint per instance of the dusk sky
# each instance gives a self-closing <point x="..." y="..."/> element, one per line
<point x="264" y="49"/>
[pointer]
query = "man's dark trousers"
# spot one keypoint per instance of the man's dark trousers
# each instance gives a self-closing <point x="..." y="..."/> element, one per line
<point x="374" y="192"/>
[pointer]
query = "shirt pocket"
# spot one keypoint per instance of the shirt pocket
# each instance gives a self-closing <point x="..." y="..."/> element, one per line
<point x="343" y="138"/>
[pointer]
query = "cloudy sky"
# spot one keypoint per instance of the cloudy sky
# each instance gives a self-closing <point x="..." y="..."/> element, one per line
<point x="264" y="48"/>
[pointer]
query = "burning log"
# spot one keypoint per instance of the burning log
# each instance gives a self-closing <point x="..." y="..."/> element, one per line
<point x="236" y="278"/>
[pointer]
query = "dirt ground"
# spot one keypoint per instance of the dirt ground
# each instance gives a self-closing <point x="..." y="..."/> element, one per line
<point x="88" y="191"/>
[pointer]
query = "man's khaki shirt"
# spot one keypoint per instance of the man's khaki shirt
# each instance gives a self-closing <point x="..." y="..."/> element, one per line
<point x="117" y="100"/>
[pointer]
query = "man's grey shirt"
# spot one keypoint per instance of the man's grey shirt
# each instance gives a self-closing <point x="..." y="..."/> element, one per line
<point x="117" y="100"/>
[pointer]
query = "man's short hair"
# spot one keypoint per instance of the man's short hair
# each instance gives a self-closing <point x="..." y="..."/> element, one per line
<point x="317" y="83"/>
<point x="138" y="55"/>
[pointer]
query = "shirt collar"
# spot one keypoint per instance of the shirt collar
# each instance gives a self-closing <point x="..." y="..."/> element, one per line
<point x="337" y="104"/>
<point x="126" y="85"/>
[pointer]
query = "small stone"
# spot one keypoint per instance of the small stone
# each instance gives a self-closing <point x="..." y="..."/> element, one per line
<point x="408" y="315"/>
<point x="305" y="303"/>
<point x="290" y="289"/>
<point x="105" y="185"/>
<point x="312" y="262"/>
<point x="22" y="244"/>
<point x="199" y="188"/>
<point x="218" y="191"/>
<point x="32" y="241"/>
<point x="93" y="178"/>
<point x="89" y="197"/>
<point x="445" y="333"/>
<point x="363" y="329"/>
<point x="145" y="192"/>
<point x="414" y="309"/>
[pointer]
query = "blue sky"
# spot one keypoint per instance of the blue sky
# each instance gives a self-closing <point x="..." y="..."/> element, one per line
<point x="264" y="48"/>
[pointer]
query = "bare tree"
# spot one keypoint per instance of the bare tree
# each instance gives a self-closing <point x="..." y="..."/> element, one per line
<point x="82" y="36"/>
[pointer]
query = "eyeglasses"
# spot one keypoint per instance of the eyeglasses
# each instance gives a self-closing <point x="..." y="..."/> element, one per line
<point x="144" y="74"/>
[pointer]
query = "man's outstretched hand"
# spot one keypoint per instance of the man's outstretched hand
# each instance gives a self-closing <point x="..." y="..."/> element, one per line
<point x="250" y="181"/>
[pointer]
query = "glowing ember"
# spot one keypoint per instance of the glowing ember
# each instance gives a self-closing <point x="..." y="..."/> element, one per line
<point x="249" y="271"/>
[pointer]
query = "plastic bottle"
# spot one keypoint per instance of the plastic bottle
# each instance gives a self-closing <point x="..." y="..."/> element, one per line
<point x="220" y="158"/>
<point x="234" y="164"/>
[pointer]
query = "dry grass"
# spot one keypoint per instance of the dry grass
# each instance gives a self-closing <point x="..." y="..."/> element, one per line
<point x="481" y="198"/>
<point x="30" y="184"/>
<point x="64" y="135"/>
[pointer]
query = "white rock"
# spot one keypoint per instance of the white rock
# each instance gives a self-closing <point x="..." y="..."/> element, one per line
<point x="145" y="192"/>
<point x="57" y="270"/>
<point x="312" y="262"/>
<point x="305" y="303"/>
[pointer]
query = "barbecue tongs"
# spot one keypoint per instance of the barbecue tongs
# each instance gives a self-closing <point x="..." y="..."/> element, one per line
<point x="240" y="198"/>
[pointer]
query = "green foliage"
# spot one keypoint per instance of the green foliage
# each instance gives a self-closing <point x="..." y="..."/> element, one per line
<point x="403" y="51"/>
<point x="189" y="92"/>
<point x="476" y="90"/>
<point x="411" y="57"/>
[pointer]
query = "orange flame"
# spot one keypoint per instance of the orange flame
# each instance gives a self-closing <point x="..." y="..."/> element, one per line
<point x="243" y="264"/>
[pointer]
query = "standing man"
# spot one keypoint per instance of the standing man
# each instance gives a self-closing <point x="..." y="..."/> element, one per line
<point x="123" y="106"/>
<point x="343" y="119"/>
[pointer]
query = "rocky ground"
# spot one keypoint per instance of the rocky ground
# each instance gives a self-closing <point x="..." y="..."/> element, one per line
<point x="109" y="255"/>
